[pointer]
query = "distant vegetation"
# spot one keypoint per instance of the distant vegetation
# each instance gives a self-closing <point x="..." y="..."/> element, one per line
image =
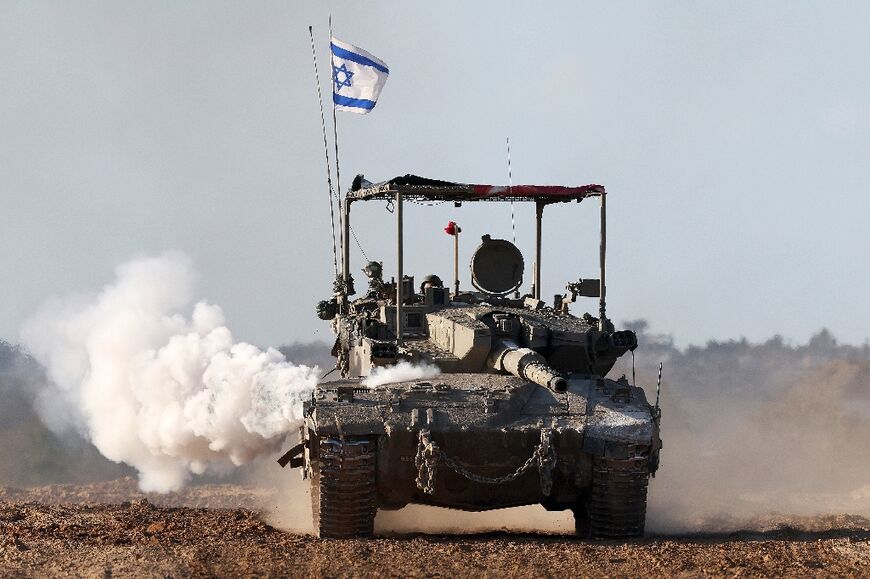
<point x="733" y="367"/>
<point x="30" y="454"/>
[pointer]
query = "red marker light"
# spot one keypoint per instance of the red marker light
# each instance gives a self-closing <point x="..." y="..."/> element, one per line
<point x="452" y="228"/>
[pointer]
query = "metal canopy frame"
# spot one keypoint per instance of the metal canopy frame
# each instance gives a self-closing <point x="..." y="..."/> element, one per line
<point x="541" y="195"/>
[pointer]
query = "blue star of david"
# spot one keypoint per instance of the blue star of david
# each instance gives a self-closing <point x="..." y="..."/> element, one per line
<point x="347" y="76"/>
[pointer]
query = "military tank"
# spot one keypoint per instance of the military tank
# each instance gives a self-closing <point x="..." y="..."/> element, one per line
<point x="475" y="399"/>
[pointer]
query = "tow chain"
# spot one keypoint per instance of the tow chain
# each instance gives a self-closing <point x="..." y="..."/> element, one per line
<point x="429" y="454"/>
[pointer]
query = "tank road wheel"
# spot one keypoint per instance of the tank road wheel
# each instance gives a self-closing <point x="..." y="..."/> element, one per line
<point x="617" y="500"/>
<point x="344" y="497"/>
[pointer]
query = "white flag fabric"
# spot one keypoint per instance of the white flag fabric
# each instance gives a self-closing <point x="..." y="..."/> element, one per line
<point x="357" y="77"/>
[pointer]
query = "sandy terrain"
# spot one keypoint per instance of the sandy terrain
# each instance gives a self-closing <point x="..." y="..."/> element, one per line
<point x="108" y="529"/>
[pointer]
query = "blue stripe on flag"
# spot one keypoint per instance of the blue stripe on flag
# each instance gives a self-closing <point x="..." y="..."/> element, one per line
<point x="351" y="102"/>
<point x="358" y="58"/>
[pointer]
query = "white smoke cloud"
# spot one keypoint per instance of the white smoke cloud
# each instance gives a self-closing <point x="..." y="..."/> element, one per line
<point x="149" y="387"/>
<point x="401" y="372"/>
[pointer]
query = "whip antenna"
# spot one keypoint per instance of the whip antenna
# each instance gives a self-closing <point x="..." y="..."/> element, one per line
<point x="325" y="150"/>
<point x="659" y="385"/>
<point x="510" y="192"/>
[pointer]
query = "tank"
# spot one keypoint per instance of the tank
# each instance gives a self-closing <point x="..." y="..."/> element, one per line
<point x="475" y="399"/>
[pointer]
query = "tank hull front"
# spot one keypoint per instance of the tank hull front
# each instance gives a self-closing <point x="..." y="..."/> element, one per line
<point x="483" y="441"/>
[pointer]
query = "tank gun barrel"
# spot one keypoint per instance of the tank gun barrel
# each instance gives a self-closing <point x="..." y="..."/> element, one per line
<point x="526" y="364"/>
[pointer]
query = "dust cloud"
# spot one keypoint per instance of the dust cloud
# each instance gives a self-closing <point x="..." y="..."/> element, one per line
<point x="755" y="429"/>
<point x="426" y="519"/>
<point x="288" y="506"/>
<point x="169" y="395"/>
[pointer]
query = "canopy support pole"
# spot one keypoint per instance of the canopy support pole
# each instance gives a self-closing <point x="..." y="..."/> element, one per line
<point x="399" y="267"/>
<point x="602" y="315"/>
<point x="539" y="214"/>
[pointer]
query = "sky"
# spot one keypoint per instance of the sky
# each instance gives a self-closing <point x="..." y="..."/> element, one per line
<point x="733" y="140"/>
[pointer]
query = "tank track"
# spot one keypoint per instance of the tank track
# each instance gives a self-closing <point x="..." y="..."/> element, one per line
<point x="344" y="497"/>
<point x="616" y="506"/>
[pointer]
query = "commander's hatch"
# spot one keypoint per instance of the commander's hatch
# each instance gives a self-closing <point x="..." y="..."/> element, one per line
<point x="496" y="267"/>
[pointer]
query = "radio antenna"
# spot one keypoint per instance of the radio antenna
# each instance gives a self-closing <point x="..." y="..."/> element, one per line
<point x="510" y="192"/>
<point x="659" y="385"/>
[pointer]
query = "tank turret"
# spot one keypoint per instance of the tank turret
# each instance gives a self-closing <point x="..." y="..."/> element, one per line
<point x="470" y="332"/>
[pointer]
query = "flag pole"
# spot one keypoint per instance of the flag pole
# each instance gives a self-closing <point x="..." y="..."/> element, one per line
<point x="325" y="150"/>
<point x="344" y="266"/>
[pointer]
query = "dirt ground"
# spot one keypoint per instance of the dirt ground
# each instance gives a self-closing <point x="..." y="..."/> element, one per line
<point x="109" y="529"/>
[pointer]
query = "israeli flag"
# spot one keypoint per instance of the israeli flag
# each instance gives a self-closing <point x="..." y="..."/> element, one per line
<point x="357" y="77"/>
